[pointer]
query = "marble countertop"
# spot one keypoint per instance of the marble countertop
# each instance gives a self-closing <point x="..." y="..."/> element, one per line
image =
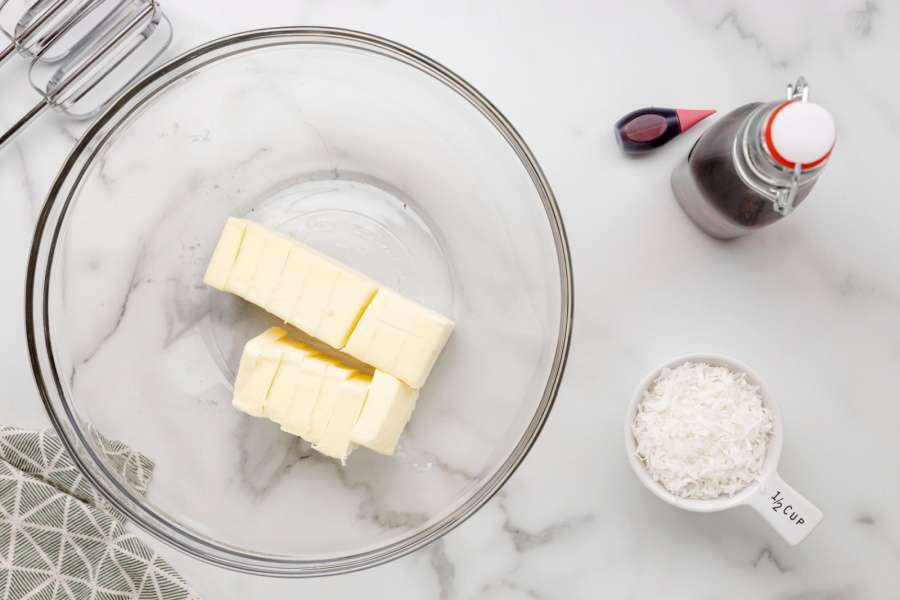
<point x="812" y="304"/>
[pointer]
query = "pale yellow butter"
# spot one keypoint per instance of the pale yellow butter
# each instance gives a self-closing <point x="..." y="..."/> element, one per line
<point x="331" y="299"/>
<point x="388" y="408"/>
<point x="284" y="387"/>
<point x="307" y="393"/>
<point x="248" y="259"/>
<point x="335" y="439"/>
<point x="268" y="272"/>
<point x="351" y="295"/>
<point x="330" y="395"/>
<point x="297" y="419"/>
<point x="313" y="301"/>
<point x="259" y="364"/>
<point x="329" y="404"/>
<point x="400" y="337"/>
<point x="290" y="283"/>
<point x="225" y="254"/>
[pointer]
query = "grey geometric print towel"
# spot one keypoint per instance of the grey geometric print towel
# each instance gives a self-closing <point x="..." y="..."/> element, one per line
<point x="60" y="540"/>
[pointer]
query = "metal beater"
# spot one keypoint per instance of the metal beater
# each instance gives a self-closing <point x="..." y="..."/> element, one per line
<point x="84" y="53"/>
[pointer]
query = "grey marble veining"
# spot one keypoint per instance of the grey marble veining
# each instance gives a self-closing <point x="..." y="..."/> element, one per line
<point x="820" y="325"/>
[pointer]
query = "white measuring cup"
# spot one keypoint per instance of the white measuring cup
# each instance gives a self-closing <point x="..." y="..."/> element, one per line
<point x="789" y="513"/>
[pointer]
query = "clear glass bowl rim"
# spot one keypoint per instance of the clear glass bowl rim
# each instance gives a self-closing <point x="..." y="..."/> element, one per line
<point x="40" y="346"/>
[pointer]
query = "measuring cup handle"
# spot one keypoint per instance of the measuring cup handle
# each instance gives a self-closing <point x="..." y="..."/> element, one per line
<point x="789" y="513"/>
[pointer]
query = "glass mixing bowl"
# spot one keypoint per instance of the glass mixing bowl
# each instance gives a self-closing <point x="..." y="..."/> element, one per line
<point x="368" y="151"/>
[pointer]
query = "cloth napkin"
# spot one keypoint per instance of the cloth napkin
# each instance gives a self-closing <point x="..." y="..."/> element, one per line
<point x="60" y="539"/>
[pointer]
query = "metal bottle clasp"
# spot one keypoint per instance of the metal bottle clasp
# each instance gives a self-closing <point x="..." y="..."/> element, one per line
<point x="785" y="196"/>
<point x="798" y="90"/>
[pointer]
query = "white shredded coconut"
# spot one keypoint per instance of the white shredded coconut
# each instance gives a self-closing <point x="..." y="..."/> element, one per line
<point x="702" y="431"/>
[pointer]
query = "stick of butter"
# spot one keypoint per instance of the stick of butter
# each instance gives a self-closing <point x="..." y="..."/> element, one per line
<point x="400" y="337"/>
<point x="292" y="281"/>
<point x="324" y="401"/>
<point x="389" y="406"/>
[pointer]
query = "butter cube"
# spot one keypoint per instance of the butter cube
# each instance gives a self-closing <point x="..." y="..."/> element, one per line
<point x="399" y="337"/>
<point x="259" y="364"/>
<point x="248" y="259"/>
<point x="297" y="418"/>
<point x="335" y="440"/>
<point x="268" y="273"/>
<point x="331" y="299"/>
<point x="388" y="408"/>
<point x="329" y="396"/>
<point x="350" y="296"/>
<point x="320" y="296"/>
<point x="312" y="302"/>
<point x="225" y="254"/>
<point x="284" y="387"/>
<point x="290" y="282"/>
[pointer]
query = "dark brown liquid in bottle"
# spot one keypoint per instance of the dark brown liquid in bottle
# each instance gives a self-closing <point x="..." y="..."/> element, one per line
<point x="711" y="190"/>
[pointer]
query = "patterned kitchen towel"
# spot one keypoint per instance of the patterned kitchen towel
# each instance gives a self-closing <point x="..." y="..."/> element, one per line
<point x="60" y="540"/>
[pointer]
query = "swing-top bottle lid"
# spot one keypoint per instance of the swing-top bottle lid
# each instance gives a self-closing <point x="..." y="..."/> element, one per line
<point x="801" y="132"/>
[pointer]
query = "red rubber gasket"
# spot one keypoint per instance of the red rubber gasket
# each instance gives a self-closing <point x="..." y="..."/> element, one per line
<point x="777" y="156"/>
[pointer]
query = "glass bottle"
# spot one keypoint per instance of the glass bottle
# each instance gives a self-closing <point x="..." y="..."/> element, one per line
<point x="755" y="165"/>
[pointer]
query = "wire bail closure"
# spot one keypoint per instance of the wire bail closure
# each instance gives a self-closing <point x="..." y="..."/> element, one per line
<point x="786" y="196"/>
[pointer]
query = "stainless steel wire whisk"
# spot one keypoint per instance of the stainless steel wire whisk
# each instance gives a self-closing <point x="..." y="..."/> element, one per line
<point x="84" y="53"/>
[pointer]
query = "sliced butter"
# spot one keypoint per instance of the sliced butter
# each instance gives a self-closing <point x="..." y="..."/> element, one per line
<point x="400" y="337"/>
<point x="388" y="408"/>
<point x="276" y="249"/>
<point x="284" y="388"/>
<point x="259" y="364"/>
<point x="319" y="398"/>
<point x="329" y="397"/>
<point x="292" y="281"/>
<point x="335" y="439"/>
<point x="248" y="260"/>
<point x="349" y="298"/>
<point x="309" y="308"/>
<point x="297" y="419"/>
<point x="329" y="300"/>
<point x="225" y="254"/>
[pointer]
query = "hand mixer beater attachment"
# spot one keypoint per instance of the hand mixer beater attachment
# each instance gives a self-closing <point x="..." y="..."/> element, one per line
<point x="84" y="53"/>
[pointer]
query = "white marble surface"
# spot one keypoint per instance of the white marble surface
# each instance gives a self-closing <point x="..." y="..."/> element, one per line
<point x="812" y="304"/>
